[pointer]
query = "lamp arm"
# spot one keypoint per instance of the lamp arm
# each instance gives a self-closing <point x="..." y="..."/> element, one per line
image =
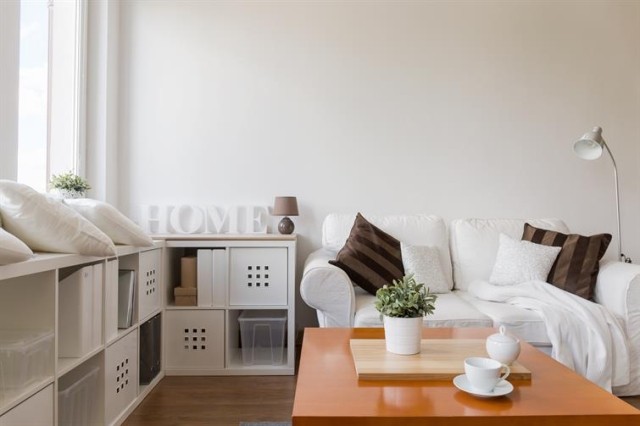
<point x="621" y="255"/>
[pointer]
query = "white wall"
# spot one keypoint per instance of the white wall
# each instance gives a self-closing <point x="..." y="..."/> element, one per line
<point x="9" y="81"/>
<point x="461" y="109"/>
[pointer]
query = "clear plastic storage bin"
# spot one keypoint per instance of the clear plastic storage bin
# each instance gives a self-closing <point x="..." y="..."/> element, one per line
<point x="25" y="358"/>
<point x="78" y="402"/>
<point x="262" y="335"/>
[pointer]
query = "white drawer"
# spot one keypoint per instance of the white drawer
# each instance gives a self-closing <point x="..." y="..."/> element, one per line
<point x="194" y="339"/>
<point x="149" y="283"/>
<point x="121" y="375"/>
<point x="258" y="276"/>
<point x="35" y="411"/>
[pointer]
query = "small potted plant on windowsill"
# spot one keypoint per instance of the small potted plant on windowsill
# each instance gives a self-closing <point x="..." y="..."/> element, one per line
<point x="68" y="185"/>
<point x="403" y="304"/>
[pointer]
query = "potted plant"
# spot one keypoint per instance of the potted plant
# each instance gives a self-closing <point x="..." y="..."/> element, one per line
<point x="403" y="304"/>
<point x="69" y="185"/>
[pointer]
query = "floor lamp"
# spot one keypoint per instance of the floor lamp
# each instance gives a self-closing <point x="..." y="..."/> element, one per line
<point x="590" y="147"/>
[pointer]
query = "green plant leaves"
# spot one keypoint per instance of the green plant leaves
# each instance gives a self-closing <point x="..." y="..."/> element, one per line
<point x="405" y="298"/>
<point x="69" y="181"/>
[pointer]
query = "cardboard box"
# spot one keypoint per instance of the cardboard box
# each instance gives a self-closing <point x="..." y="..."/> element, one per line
<point x="188" y="271"/>
<point x="186" y="296"/>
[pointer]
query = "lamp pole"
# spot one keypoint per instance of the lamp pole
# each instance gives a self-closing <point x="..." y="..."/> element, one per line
<point x="621" y="255"/>
<point x="590" y="147"/>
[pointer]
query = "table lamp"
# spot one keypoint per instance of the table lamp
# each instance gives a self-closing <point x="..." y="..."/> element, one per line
<point x="590" y="147"/>
<point x="285" y="206"/>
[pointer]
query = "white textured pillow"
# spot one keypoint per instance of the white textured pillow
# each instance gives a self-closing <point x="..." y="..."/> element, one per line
<point x="521" y="261"/>
<point x="117" y="226"/>
<point x="12" y="250"/>
<point x="45" y="224"/>
<point x="424" y="263"/>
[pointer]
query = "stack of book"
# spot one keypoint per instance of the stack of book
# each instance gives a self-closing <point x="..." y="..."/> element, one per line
<point x="126" y="294"/>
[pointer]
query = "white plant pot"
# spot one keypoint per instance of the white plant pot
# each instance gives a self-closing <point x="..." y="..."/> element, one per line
<point x="403" y="335"/>
<point x="66" y="193"/>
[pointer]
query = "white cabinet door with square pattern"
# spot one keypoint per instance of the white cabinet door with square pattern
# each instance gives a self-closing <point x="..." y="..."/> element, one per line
<point x="258" y="276"/>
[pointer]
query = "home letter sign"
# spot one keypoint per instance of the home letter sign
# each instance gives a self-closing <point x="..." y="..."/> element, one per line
<point x="190" y="219"/>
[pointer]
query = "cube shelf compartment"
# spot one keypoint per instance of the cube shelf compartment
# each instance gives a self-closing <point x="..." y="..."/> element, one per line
<point x="262" y="336"/>
<point x="121" y="375"/>
<point x="194" y="339"/>
<point x="258" y="276"/>
<point x="25" y="358"/>
<point x="78" y="402"/>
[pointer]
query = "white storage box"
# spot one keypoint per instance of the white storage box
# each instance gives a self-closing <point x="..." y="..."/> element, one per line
<point x="80" y="318"/>
<point x="257" y="276"/>
<point x="121" y="376"/>
<point x="25" y="357"/>
<point x="193" y="339"/>
<point x="149" y="299"/>
<point x="262" y="335"/>
<point x="78" y="403"/>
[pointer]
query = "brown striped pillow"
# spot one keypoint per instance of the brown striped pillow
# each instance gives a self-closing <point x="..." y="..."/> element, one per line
<point x="576" y="268"/>
<point x="370" y="257"/>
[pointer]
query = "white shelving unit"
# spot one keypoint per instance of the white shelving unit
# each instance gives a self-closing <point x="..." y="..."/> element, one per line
<point x="30" y="301"/>
<point x="101" y="385"/>
<point x="258" y="273"/>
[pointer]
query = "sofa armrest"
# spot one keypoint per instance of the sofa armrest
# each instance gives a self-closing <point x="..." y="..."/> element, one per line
<point x="328" y="290"/>
<point x="618" y="289"/>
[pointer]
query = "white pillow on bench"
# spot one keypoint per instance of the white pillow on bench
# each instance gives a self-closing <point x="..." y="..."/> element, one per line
<point x="109" y="220"/>
<point x="12" y="250"/>
<point x="45" y="224"/>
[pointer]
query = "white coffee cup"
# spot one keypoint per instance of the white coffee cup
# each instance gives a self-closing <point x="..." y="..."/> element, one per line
<point x="483" y="374"/>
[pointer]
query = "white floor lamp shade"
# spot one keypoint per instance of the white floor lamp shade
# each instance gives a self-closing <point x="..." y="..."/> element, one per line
<point x="590" y="147"/>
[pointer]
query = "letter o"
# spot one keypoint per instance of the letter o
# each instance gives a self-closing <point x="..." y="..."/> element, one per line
<point x="186" y="219"/>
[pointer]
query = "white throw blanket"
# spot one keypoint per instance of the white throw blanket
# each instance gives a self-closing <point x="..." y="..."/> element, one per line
<point x="585" y="336"/>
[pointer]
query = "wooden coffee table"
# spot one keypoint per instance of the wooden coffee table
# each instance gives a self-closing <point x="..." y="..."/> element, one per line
<point x="329" y="393"/>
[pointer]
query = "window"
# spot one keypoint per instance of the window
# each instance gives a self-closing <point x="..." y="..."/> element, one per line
<point x="51" y="90"/>
<point x="32" y="115"/>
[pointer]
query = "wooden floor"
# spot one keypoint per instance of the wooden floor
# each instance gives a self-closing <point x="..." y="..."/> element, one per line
<point x="208" y="401"/>
<point x="200" y="401"/>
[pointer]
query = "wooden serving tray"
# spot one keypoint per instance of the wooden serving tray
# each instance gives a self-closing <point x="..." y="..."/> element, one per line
<point x="439" y="359"/>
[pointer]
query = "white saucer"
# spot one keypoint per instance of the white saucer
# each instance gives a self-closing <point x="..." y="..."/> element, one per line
<point x="462" y="383"/>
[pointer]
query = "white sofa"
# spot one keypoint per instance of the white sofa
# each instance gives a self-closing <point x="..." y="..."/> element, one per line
<point x="467" y="251"/>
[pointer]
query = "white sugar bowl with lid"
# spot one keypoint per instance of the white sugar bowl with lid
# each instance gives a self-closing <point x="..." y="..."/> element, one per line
<point x="503" y="347"/>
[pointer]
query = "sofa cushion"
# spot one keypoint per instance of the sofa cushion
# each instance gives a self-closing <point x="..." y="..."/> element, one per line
<point x="423" y="262"/>
<point x="576" y="268"/>
<point x="519" y="261"/>
<point x="451" y="311"/>
<point x="416" y="229"/>
<point x="474" y="244"/>
<point x="524" y="323"/>
<point x="370" y="257"/>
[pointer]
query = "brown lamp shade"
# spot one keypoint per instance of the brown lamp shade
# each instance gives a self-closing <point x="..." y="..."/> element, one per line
<point x="285" y="206"/>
